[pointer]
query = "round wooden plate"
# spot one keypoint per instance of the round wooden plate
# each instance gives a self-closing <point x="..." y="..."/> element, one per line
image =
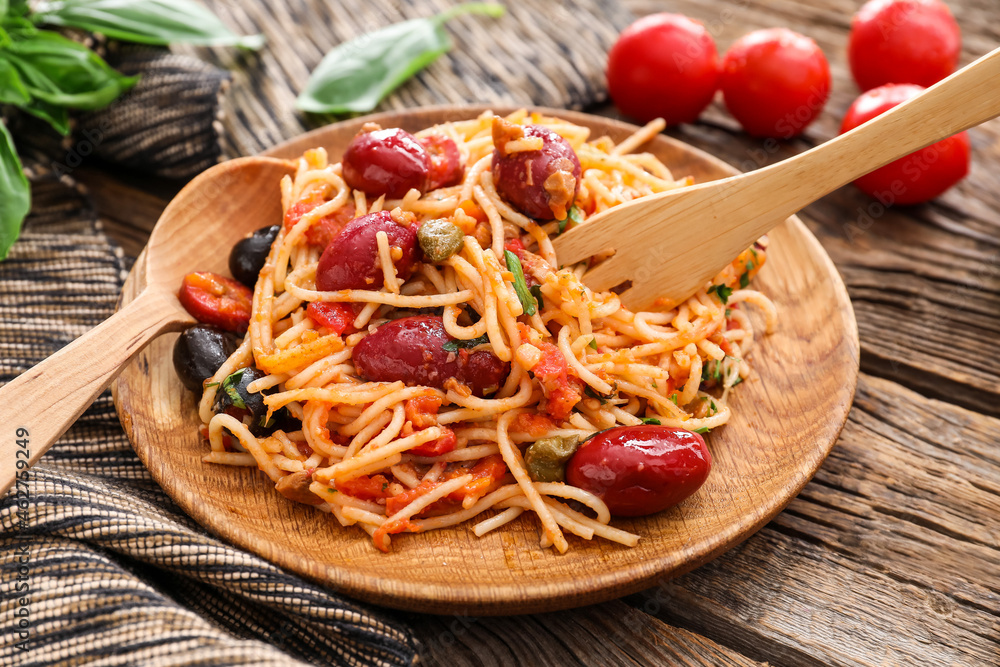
<point x="785" y="421"/>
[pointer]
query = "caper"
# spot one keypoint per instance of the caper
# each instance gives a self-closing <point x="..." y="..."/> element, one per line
<point x="546" y="458"/>
<point x="439" y="239"/>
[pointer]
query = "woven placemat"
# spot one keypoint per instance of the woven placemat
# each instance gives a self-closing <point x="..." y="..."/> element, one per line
<point x="97" y="565"/>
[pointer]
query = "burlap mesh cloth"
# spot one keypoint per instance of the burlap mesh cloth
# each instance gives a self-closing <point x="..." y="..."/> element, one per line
<point x="109" y="571"/>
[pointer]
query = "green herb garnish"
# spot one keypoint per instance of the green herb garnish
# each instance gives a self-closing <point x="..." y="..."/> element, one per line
<point x="653" y="421"/>
<point x="593" y="343"/>
<point x="673" y="398"/>
<point x="703" y="429"/>
<point x="520" y="285"/>
<point x="574" y="215"/>
<point x="536" y="291"/>
<point x="229" y="385"/>
<point x="722" y="291"/>
<point x="589" y="391"/>
<point x="356" y="75"/>
<point x="745" y="278"/>
<point x="458" y="343"/>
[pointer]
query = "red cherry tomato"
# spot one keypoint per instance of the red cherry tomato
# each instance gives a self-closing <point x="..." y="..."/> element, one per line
<point x="920" y="176"/>
<point x="903" y="41"/>
<point x="338" y="317"/>
<point x="386" y="162"/>
<point x="639" y="470"/>
<point x="775" y="82"/>
<point x="214" y="299"/>
<point x="446" y="162"/>
<point x="663" y="65"/>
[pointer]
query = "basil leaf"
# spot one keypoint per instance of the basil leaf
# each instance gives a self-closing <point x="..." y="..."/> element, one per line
<point x="703" y="429"/>
<point x="12" y="90"/>
<point x="520" y="285"/>
<point x="64" y="73"/>
<point x="356" y="75"/>
<point x="572" y="214"/>
<point x="229" y="385"/>
<point x="454" y="345"/>
<point x="145" y="21"/>
<point x="4" y="6"/>
<point x="652" y="421"/>
<point x="55" y="116"/>
<point x="15" y="193"/>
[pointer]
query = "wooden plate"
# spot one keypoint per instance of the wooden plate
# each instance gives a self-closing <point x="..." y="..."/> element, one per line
<point x="785" y="421"/>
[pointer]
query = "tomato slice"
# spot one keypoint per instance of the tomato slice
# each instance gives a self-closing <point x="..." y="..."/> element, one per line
<point x="217" y="300"/>
<point x="365" y="487"/>
<point x="442" y="445"/>
<point x="446" y="161"/>
<point x="335" y="316"/>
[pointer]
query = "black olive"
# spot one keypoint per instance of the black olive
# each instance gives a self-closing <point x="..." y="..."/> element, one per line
<point x="233" y="393"/>
<point x="281" y="420"/>
<point x="199" y="352"/>
<point x="248" y="255"/>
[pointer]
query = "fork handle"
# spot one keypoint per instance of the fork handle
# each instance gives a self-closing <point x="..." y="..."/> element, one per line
<point x="965" y="99"/>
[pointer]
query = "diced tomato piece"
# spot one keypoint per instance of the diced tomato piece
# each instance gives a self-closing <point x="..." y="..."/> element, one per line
<point x="486" y="474"/>
<point x="446" y="161"/>
<point x="401" y="500"/>
<point x="515" y="246"/>
<point x="562" y="389"/>
<point x="533" y="424"/>
<point x="442" y="445"/>
<point x="471" y="209"/>
<point x="422" y="410"/>
<point x="214" y="299"/>
<point x="335" y="316"/>
<point x="365" y="487"/>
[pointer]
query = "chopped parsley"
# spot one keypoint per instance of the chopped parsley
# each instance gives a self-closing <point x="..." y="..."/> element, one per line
<point x="703" y="429"/>
<point x="655" y="386"/>
<point x="673" y="398"/>
<point x="745" y="278"/>
<point x="574" y="215"/>
<point x="589" y="391"/>
<point x="385" y="485"/>
<point x="651" y="420"/>
<point x="722" y="291"/>
<point x="738" y="380"/>
<point x="454" y="345"/>
<point x="729" y="312"/>
<point x="520" y="286"/>
<point x="212" y="384"/>
<point x="593" y="343"/>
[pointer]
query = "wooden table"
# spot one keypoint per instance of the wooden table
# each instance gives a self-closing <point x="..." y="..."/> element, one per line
<point x="891" y="555"/>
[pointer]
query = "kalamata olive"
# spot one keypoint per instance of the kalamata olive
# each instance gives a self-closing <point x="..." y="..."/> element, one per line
<point x="351" y="259"/>
<point x="411" y="349"/>
<point x="199" y="352"/>
<point x="542" y="183"/>
<point x="439" y="239"/>
<point x="233" y="393"/>
<point x="640" y="470"/>
<point x="386" y="162"/>
<point x="247" y="257"/>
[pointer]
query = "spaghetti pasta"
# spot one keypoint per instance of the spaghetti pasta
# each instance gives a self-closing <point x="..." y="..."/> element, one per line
<point x="402" y="456"/>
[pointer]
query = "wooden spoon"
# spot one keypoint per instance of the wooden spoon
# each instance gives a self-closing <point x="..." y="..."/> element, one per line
<point x="671" y="244"/>
<point x="207" y="217"/>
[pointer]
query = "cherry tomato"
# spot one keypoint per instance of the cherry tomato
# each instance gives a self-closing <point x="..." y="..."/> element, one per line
<point x="351" y="259"/>
<point x="920" y="176"/>
<point x="214" y="299"/>
<point x="663" y="65"/>
<point x="446" y="162"/>
<point x="386" y="162"/>
<point x="903" y="41"/>
<point x="639" y="470"/>
<point x="411" y="349"/>
<point x="775" y="82"/>
<point x="543" y="183"/>
<point x="338" y="317"/>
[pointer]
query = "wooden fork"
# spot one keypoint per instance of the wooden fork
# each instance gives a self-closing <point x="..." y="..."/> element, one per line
<point x="671" y="244"/>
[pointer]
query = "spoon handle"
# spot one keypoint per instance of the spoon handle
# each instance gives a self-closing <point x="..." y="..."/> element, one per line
<point x="40" y="404"/>
<point x="965" y="99"/>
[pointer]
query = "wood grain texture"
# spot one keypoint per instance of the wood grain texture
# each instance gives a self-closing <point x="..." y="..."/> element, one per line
<point x="890" y="556"/>
<point x="628" y="638"/>
<point x="786" y="420"/>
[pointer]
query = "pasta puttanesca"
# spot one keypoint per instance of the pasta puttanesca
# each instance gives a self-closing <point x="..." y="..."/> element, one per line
<point x="352" y="456"/>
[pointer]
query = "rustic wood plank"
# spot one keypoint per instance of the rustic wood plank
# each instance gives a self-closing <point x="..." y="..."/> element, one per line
<point x="610" y="634"/>
<point x="127" y="209"/>
<point x="889" y="556"/>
